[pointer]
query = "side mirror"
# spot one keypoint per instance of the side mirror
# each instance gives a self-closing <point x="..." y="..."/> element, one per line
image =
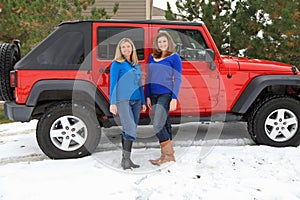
<point x="209" y="58"/>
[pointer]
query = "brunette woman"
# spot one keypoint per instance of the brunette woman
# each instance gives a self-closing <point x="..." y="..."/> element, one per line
<point x="163" y="84"/>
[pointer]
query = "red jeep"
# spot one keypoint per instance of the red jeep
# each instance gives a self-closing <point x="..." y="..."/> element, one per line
<point x="64" y="83"/>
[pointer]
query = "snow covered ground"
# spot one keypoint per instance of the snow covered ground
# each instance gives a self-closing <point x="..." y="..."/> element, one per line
<point x="214" y="161"/>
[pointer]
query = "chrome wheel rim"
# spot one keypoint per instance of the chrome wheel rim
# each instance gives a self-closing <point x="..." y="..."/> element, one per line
<point x="68" y="133"/>
<point x="281" y="125"/>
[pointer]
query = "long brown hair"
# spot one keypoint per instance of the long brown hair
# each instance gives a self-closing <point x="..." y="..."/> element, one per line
<point x="157" y="53"/>
<point x="119" y="57"/>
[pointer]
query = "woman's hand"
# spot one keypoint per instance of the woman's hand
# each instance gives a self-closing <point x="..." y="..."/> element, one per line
<point x="143" y="109"/>
<point x="148" y="102"/>
<point x="113" y="109"/>
<point x="173" y="104"/>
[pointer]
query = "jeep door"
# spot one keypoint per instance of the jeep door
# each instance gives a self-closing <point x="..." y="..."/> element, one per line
<point x="106" y="36"/>
<point x="200" y="85"/>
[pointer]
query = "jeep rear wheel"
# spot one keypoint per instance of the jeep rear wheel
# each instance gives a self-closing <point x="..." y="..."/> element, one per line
<point x="8" y="58"/>
<point x="276" y="122"/>
<point x="68" y="131"/>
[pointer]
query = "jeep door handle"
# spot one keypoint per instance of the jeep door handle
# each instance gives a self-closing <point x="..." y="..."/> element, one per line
<point x="104" y="71"/>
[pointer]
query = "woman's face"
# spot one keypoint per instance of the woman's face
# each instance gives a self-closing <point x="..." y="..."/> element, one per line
<point x="162" y="43"/>
<point x="126" y="49"/>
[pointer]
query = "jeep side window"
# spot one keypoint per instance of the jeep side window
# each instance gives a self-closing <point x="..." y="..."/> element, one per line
<point x="108" y="38"/>
<point x="190" y="44"/>
<point x="68" y="49"/>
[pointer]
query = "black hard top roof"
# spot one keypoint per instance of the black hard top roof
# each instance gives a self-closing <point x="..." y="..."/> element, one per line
<point x="137" y="22"/>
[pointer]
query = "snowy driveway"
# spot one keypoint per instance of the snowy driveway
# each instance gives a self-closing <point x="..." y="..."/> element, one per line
<point x="18" y="142"/>
<point x="209" y="166"/>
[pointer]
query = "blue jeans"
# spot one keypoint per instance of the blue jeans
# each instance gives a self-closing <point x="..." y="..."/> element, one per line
<point x="161" y="121"/>
<point x="129" y="113"/>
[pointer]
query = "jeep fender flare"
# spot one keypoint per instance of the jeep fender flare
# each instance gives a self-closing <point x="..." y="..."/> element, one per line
<point x="256" y="86"/>
<point x="68" y="85"/>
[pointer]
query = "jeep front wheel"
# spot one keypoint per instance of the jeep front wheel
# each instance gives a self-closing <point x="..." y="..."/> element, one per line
<point x="276" y="122"/>
<point x="68" y="131"/>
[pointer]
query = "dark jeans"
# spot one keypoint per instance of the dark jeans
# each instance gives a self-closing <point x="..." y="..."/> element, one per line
<point x="129" y="112"/>
<point x="161" y="121"/>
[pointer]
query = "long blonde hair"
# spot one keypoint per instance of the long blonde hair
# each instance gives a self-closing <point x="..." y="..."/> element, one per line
<point x="120" y="58"/>
<point x="157" y="53"/>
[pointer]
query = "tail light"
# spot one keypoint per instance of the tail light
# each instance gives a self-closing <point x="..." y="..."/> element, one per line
<point x="13" y="79"/>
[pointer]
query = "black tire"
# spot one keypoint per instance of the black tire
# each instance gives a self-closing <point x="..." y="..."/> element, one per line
<point x="8" y="58"/>
<point x="79" y="136"/>
<point x="276" y="122"/>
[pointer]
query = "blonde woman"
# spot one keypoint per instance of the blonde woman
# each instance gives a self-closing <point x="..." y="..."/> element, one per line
<point x="126" y="95"/>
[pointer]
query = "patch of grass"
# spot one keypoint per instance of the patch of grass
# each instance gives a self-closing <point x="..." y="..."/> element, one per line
<point x="3" y="119"/>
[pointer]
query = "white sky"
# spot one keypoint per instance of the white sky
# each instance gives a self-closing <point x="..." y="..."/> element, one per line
<point x="163" y="4"/>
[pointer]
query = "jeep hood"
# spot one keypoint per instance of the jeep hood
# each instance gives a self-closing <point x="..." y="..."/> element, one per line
<point x="251" y="64"/>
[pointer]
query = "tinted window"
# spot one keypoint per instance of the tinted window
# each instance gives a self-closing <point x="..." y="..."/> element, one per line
<point x="190" y="44"/>
<point x="109" y="37"/>
<point x="67" y="49"/>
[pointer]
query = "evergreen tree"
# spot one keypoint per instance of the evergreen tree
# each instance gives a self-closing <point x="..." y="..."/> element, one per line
<point x="209" y="12"/>
<point x="261" y="28"/>
<point x="169" y="14"/>
<point x="280" y="40"/>
<point x="30" y="21"/>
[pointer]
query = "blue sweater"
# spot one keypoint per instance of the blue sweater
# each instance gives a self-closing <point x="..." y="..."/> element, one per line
<point x="126" y="82"/>
<point x="164" y="76"/>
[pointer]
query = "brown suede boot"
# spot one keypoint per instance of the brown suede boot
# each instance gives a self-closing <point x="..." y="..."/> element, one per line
<point x="167" y="153"/>
<point x="162" y="144"/>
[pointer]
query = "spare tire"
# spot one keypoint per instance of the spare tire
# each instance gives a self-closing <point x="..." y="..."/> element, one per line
<point x="9" y="55"/>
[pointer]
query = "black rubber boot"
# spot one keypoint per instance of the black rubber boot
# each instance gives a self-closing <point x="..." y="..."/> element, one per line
<point x="126" y="162"/>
